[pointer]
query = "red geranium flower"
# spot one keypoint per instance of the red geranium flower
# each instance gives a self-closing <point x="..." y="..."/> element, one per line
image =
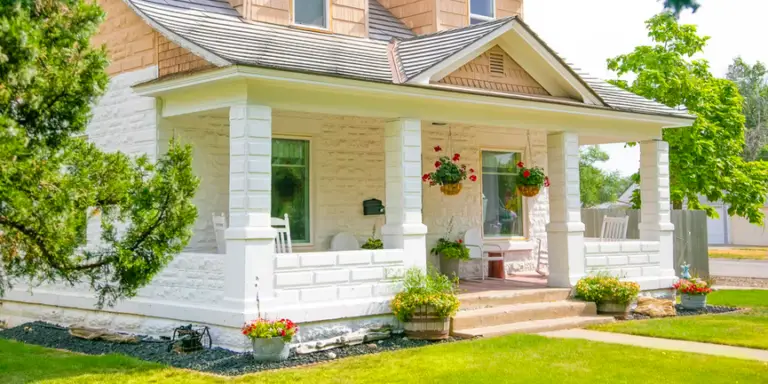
<point x="519" y="164"/>
<point x="437" y="164"/>
<point x="459" y="241"/>
<point x="526" y="173"/>
<point x="456" y="157"/>
<point x="437" y="148"/>
<point x="546" y="181"/>
<point x="473" y="178"/>
<point x="425" y="177"/>
<point x="471" y="170"/>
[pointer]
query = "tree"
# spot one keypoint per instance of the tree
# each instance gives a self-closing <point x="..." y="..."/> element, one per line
<point x="705" y="159"/>
<point x="678" y="6"/>
<point x="752" y="82"/>
<point x="597" y="186"/>
<point x="52" y="180"/>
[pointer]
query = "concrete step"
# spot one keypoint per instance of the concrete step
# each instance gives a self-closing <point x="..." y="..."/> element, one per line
<point x="487" y="299"/>
<point x="534" y="326"/>
<point x="516" y="313"/>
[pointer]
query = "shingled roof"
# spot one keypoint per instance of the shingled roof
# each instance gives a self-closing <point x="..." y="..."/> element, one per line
<point x="214" y="30"/>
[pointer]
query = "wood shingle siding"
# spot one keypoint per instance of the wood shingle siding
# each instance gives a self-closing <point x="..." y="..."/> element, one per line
<point x="129" y="40"/>
<point x="173" y="59"/>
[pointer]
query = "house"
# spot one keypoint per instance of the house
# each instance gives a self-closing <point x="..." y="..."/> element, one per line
<point x="351" y="96"/>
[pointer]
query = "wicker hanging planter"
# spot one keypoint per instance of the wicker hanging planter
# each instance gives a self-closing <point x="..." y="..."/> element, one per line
<point x="528" y="190"/>
<point x="450" y="189"/>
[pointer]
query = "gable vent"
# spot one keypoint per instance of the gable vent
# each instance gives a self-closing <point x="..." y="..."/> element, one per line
<point x="496" y="60"/>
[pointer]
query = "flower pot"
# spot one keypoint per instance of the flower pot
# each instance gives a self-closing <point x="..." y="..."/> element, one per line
<point x="613" y="308"/>
<point x="528" y="190"/>
<point x="450" y="189"/>
<point x="426" y="325"/>
<point x="693" y="301"/>
<point x="271" y="349"/>
<point x="449" y="266"/>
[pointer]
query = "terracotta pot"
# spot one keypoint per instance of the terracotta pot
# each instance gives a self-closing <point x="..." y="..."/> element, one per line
<point x="528" y="190"/>
<point x="450" y="189"/>
<point x="271" y="349"/>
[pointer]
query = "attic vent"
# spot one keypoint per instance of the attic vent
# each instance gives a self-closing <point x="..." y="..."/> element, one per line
<point x="497" y="63"/>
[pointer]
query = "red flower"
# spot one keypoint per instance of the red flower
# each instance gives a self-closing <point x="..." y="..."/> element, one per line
<point x="526" y="173"/>
<point x="456" y="157"/>
<point x="520" y="164"/>
<point x="437" y="164"/>
<point x="546" y="181"/>
<point x="282" y="332"/>
<point x="473" y="178"/>
<point x="471" y="170"/>
<point x="459" y="241"/>
<point x="425" y="177"/>
<point x="437" y="148"/>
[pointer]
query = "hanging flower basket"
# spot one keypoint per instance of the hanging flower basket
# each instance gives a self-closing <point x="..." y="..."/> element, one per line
<point x="530" y="180"/>
<point x="449" y="174"/>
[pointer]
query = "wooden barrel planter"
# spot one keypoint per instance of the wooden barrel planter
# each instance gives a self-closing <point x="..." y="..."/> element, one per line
<point x="426" y="325"/>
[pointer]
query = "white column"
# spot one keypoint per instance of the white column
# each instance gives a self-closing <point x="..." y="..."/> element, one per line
<point x="565" y="231"/>
<point x="404" y="228"/>
<point x="655" y="212"/>
<point x="250" y="237"/>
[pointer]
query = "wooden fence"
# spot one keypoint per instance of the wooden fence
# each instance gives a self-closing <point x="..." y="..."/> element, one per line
<point x="690" y="234"/>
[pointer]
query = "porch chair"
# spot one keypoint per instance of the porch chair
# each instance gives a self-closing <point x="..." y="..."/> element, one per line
<point x="473" y="239"/>
<point x="344" y="241"/>
<point x="614" y="228"/>
<point x="219" y="227"/>
<point x="283" y="239"/>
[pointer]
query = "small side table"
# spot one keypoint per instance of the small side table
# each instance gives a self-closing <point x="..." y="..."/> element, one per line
<point x="496" y="268"/>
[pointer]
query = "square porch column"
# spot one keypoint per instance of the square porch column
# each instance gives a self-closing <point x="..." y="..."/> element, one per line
<point x="655" y="211"/>
<point x="404" y="228"/>
<point x="250" y="237"/>
<point x="565" y="231"/>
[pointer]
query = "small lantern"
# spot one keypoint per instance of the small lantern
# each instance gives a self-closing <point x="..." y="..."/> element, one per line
<point x="373" y="207"/>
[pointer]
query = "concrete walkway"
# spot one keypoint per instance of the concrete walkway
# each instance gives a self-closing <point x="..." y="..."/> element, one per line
<point x="657" y="343"/>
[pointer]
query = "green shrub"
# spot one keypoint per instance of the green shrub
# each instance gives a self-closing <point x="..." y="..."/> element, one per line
<point x="451" y="249"/>
<point x="425" y="289"/>
<point x="604" y="287"/>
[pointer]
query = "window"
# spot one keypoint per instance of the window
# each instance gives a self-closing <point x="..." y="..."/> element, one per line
<point x="290" y="185"/>
<point x="312" y="13"/>
<point x="481" y="10"/>
<point x="502" y="205"/>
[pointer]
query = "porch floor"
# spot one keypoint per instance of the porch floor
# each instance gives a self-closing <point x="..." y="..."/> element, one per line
<point x="513" y="283"/>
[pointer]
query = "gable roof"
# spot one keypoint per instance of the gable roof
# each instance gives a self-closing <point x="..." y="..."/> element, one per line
<point x="383" y="25"/>
<point x="215" y="31"/>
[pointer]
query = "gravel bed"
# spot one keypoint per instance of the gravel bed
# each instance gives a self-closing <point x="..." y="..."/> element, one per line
<point x="708" y="310"/>
<point x="750" y="282"/>
<point x="216" y="360"/>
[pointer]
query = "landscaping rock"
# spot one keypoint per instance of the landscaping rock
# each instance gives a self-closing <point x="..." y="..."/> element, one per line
<point x="372" y="346"/>
<point x="653" y="308"/>
<point x="331" y="355"/>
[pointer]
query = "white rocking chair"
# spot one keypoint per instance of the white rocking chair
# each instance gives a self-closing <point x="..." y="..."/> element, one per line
<point x="473" y="239"/>
<point x="219" y="227"/>
<point x="614" y="228"/>
<point x="283" y="240"/>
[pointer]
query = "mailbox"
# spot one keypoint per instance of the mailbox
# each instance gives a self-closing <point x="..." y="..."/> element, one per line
<point x="373" y="207"/>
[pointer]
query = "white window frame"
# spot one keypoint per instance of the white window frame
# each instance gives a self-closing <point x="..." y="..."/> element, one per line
<point x="524" y="205"/>
<point x="327" y="26"/>
<point x="311" y="242"/>
<point x="481" y="17"/>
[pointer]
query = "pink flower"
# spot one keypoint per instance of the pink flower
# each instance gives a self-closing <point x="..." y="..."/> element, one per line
<point x="526" y="173"/>
<point x="546" y="181"/>
<point x="437" y="148"/>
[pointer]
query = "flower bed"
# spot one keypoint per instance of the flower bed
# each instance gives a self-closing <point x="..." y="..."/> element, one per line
<point x="216" y="360"/>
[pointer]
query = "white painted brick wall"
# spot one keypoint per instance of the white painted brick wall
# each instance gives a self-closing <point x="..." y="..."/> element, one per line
<point x="629" y="259"/>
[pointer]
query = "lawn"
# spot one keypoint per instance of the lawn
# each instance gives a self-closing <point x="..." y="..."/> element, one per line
<point x="739" y="253"/>
<point x="510" y="359"/>
<point x="747" y="329"/>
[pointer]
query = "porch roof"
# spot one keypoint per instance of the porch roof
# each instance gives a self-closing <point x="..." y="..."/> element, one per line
<point x="213" y="30"/>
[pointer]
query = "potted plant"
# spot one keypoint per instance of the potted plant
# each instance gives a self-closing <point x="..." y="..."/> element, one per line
<point x="373" y="242"/>
<point x="271" y="339"/>
<point x="693" y="292"/>
<point x="611" y="295"/>
<point x="452" y="253"/>
<point x="449" y="174"/>
<point x="530" y="180"/>
<point x="425" y="304"/>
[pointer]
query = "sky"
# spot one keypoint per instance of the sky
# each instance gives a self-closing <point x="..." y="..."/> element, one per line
<point x="587" y="32"/>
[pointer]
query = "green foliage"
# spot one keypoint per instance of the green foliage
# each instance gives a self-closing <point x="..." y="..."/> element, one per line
<point x="52" y="181"/>
<point x="451" y="249"/>
<point x="426" y="289"/>
<point x="373" y="244"/>
<point x="677" y="6"/>
<point x="705" y="159"/>
<point x="752" y="82"/>
<point x="604" y="287"/>
<point x="597" y="186"/>
<point x="531" y="176"/>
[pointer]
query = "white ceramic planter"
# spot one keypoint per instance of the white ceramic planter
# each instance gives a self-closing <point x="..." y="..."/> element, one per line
<point x="272" y="349"/>
<point x="693" y="301"/>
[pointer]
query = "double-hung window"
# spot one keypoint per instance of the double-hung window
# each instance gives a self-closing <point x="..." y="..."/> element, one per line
<point x="311" y="13"/>
<point x="481" y="10"/>
<point x="502" y="205"/>
<point x="290" y="185"/>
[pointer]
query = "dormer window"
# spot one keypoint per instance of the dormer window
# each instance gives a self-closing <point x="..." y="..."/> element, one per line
<point x="311" y="13"/>
<point x="480" y="11"/>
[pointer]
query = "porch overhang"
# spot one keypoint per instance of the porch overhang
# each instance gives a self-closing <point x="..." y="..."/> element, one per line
<point x="218" y="88"/>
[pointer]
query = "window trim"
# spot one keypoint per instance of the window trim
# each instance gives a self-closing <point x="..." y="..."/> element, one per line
<point x="526" y="217"/>
<point x="327" y="27"/>
<point x="311" y="243"/>
<point x="479" y="17"/>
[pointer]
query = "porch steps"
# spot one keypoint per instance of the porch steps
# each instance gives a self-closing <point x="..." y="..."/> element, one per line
<point x="494" y="313"/>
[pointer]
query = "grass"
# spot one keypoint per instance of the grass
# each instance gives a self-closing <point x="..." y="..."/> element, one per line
<point x="747" y="329"/>
<point x="739" y="253"/>
<point x="509" y="359"/>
